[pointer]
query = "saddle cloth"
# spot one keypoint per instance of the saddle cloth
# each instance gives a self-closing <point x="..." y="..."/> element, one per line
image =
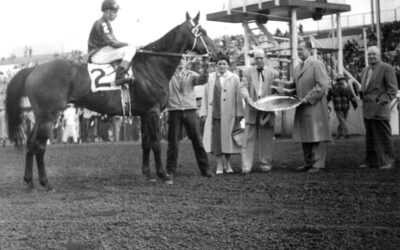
<point x="102" y="77"/>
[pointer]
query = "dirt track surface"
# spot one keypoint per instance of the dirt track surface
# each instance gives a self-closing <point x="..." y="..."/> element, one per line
<point x="103" y="202"/>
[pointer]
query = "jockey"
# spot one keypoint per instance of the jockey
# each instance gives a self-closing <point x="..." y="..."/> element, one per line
<point x="105" y="48"/>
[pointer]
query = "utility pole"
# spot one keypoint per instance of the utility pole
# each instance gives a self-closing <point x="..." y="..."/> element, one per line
<point x="378" y="25"/>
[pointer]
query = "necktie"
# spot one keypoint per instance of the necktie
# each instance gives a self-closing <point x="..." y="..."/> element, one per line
<point x="301" y="65"/>
<point x="260" y="81"/>
<point x="179" y="77"/>
<point x="218" y="82"/>
<point x="369" y="74"/>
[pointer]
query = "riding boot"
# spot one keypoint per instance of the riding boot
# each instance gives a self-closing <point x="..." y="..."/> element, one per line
<point x="120" y="77"/>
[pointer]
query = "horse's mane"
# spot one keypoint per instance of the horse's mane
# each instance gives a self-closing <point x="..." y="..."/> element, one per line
<point x="153" y="71"/>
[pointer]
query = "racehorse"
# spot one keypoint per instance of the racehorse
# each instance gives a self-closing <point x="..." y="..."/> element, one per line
<point x="51" y="86"/>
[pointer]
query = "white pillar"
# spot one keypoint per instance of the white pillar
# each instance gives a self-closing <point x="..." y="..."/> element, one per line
<point x="246" y="44"/>
<point x="378" y="25"/>
<point x="365" y="46"/>
<point x="293" y="38"/>
<point x="340" y="44"/>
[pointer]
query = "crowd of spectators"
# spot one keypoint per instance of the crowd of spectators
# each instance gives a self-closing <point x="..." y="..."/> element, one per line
<point x="353" y="50"/>
<point x="230" y="45"/>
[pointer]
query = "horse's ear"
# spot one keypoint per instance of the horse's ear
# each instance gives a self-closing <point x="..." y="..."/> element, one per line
<point x="196" y="19"/>
<point x="187" y="16"/>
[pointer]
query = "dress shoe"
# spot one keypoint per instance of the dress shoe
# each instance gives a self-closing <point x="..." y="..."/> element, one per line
<point x="220" y="166"/>
<point x="228" y="168"/>
<point x="229" y="171"/>
<point x="347" y="137"/>
<point x="207" y="174"/>
<point x="386" y="167"/>
<point x="168" y="179"/>
<point x="265" y="168"/>
<point x="303" y="168"/>
<point x="313" y="170"/>
<point x="245" y="171"/>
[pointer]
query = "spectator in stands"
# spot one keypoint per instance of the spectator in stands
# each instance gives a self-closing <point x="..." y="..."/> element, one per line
<point x="341" y="96"/>
<point x="311" y="122"/>
<point x="378" y="89"/>
<point x="182" y="113"/>
<point x="116" y="127"/>
<point x="3" y="128"/>
<point x="259" y="130"/>
<point x="69" y="123"/>
<point x="222" y="110"/>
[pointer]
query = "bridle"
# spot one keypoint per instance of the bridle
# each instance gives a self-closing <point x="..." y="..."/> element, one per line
<point x="197" y="35"/>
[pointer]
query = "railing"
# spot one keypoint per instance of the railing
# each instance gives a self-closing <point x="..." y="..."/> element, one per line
<point x="362" y="19"/>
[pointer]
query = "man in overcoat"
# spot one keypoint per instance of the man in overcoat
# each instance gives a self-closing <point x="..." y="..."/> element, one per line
<point x="311" y="122"/>
<point x="378" y="88"/>
<point x="259" y="130"/>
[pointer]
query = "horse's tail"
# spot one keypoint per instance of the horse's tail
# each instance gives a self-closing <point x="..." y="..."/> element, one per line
<point x="14" y="93"/>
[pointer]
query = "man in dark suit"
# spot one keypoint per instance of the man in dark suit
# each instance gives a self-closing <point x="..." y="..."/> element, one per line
<point x="378" y="89"/>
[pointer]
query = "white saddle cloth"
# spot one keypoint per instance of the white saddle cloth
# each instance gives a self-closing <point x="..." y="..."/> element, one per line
<point x="102" y="77"/>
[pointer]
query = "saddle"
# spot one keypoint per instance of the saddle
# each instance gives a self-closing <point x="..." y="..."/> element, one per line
<point x="102" y="78"/>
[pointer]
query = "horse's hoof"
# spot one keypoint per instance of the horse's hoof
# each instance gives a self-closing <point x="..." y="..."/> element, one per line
<point x="49" y="188"/>
<point x="30" y="187"/>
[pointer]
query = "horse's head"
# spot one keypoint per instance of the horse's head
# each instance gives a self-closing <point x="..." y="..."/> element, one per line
<point x="196" y="37"/>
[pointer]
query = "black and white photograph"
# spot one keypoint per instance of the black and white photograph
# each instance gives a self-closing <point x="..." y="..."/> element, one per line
<point x="188" y="124"/>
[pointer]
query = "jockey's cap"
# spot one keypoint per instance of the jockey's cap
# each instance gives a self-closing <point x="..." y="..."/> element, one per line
<point x="109" y="5"/>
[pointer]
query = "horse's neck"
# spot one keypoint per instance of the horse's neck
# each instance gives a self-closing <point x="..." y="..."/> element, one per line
<point x="170" y="42"/>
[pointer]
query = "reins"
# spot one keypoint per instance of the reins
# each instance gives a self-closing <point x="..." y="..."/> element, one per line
<point x="168" y="53"/>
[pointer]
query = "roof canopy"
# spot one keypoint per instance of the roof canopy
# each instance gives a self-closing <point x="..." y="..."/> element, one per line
<point x="278" y="11"/>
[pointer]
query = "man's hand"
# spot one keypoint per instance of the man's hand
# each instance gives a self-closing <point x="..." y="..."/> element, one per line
<point x="251" y="102"/>
<point x="381" y="102"/>
<point x="203" y="118"/>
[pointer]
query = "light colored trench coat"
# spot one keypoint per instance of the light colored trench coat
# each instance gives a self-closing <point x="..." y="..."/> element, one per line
<point x="311" y="121"/>
<point x="231" y="108"/>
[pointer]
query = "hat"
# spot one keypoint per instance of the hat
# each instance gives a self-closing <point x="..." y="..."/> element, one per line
<point x="109" y="5"/>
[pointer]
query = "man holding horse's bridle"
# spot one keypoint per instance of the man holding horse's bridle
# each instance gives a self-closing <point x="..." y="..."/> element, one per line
<point x="104" y="47"/>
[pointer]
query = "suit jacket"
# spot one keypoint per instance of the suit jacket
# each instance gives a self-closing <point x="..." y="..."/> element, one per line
<point x="248" y="88"/>
<point x="231" y="108"/>
<point x="311" y="121"/>
<point x="381" y="90"/>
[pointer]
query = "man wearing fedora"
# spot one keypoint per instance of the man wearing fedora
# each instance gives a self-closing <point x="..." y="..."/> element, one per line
<point x="341" y="96"/>
<point x="256" y="83"/>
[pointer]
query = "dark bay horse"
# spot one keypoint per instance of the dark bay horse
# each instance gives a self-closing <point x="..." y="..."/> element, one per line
<point x="51" y="86"/>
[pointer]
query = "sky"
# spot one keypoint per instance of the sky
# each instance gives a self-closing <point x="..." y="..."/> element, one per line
<point x="64" y="25"/>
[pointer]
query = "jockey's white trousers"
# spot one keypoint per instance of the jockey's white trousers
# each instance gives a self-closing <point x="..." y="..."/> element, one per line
<point x="109" y="54"/>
